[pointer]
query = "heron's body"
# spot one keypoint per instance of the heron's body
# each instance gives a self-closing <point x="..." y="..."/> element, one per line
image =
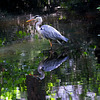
<point x="50" y="64"/>
<point x="51" y="33"/>
<point x="48" y="31"/>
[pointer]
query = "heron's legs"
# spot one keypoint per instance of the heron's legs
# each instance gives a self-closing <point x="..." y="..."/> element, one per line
<point x="50" y="43"/>
<point x="51" y="52"/>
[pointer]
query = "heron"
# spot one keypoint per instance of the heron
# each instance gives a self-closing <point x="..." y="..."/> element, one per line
<point x="50" y="64"/>
<point x="47" y="31"/>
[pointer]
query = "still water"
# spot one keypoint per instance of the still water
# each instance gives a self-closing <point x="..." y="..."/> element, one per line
<point x="28" y="70"/>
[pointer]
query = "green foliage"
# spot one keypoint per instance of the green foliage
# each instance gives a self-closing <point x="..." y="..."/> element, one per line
<point x="12" y="78"/>
<point x="63" y="4"/>
<point x="62" y="18"/>
<point x="21" y="34"/>
<point x="50" y="24"/>
<point x="93" y="46"/>
<point x="36" y="36"/>
<point x="98" y="8"/>
<point x="15" y="71"/>
<point x="2" y="42"/>
<point x="85" y="53"/>
<point x="67" y="4"/>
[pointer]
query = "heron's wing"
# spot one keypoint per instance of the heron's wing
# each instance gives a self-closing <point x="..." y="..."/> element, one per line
<point x="50" y="33"/>
<point x="51" y="64"/>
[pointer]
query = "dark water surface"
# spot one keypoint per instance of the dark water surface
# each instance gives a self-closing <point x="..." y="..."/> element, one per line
<point x="28" y="70"/>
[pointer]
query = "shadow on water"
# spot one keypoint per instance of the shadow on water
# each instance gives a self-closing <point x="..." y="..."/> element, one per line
<point x="71" y="72"/>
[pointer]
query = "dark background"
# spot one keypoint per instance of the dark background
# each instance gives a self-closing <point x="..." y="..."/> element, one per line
<point x="23" y="6"/>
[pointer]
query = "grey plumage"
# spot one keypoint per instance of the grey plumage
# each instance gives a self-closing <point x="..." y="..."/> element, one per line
<point x="51" y="33"/>
<point x="50" y="64"/>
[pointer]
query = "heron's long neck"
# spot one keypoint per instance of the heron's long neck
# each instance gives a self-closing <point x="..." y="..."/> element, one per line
<point x="38" y="26"/>
<point x="42" y="74"/>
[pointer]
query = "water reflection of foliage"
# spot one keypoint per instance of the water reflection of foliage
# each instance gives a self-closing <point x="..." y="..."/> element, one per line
<point x="14" y="76"/>
<point x="82" y="77"/>
<point x="83" y="71"/>
<point x="2" y="42"/>
<point x="11" y="78"/>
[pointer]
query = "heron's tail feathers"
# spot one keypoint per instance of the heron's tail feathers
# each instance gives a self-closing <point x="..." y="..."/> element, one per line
<point x="65" y="39"/>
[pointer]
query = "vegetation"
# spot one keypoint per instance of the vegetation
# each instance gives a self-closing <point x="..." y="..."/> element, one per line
<point x="15" y="70"/>
<point x="98" y="8"/>
<point x="21" y="6"/>
<point x="19" y="59"/>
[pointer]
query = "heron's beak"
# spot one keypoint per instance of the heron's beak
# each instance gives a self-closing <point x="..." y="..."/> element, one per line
<point x="30" y="20"/>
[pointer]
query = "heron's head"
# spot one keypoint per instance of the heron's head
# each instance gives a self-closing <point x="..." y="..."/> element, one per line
<point x="36" y="18"/>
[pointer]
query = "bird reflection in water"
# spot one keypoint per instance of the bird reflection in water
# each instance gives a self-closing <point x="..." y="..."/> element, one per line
<point x="34" y="89"/>
<point x="50" y="64"/>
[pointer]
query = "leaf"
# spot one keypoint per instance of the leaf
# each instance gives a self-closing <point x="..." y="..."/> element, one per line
<point x="52" y="98"/>
<point x="24" y="33"/>
<point x="59" y="18"/>
<point x="94" y="46"/>
<point x="20" y="32"/>
<point x="98" y="7"/>
<point x="50" y="84"/>
<point x="85" y="53"/>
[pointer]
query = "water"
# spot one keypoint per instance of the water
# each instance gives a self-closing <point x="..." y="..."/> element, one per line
<point x="71" y="72"/>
